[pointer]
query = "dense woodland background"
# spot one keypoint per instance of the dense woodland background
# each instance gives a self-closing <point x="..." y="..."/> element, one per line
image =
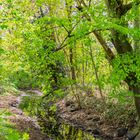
<point x="75" y="47"/>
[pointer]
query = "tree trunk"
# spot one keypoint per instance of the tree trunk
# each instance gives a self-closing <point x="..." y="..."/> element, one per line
<point x="96" y="73"/>
<point x="137" y="26"/>
<point x="116" y="9"/>
<point x="73" y="75"/>
<point x="136" y="91"/>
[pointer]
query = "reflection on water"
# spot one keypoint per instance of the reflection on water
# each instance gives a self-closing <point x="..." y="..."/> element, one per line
<point x="68" y="132"/>
<point x="50" y="123"/>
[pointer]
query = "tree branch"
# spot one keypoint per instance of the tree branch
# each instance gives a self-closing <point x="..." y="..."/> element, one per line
<point x="62" y="45"/>
<point x="109" y="52"/>
<point x="127" y="7"/>
<point x="41" y="12"/>
<point x="99" y="37"/>
<point x="89" y="4"/>
<point x="65" y="28"/>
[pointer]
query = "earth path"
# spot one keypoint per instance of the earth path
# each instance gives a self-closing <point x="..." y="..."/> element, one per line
<point x="22" y="122"/>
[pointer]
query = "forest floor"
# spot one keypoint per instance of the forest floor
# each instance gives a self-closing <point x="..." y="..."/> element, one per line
<point x="21" y="121"/>
<point x="108" y="121"/>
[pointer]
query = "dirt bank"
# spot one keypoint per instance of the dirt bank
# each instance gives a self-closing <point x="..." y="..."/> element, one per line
<point x="22" y="122"/>
<point x="96" y="118"/>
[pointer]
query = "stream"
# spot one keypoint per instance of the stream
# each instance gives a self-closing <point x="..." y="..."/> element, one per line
<point x="59" y="130"/>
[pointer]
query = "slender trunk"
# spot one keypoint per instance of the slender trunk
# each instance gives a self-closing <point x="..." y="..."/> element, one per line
<point x="96" y="73"/>
<point x="83" y="67"/>
<point x="73" y="75"/>
<point x="71" y="51"/>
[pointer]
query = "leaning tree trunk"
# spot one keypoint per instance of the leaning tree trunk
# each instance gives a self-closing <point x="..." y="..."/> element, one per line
<point x="136" y="91"/>
<point x="135" y="88"/>
<point x="117" y="9"/>
<point x="137" y="25"/>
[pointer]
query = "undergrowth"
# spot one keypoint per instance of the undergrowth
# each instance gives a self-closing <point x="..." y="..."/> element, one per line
<point x="8" y="130"/>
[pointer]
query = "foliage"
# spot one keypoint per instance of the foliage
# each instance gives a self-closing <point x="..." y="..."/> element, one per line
<point x="61" y="46"/>
<point x="125" y="64"/>
<point x="8" y="88"/>
<point x="8" y="131"/>
<point x="45" y="110"/>
<point x="30" y="104"/>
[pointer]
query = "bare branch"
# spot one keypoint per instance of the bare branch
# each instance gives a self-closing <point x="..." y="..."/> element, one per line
<point x="41" y="12"/>
<point x="89" y="4"/>
<point x="62" y="45"/>
<point x="83" y="2"/>
<point x="99" y="38"/>
<point x="65" y="28"/>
